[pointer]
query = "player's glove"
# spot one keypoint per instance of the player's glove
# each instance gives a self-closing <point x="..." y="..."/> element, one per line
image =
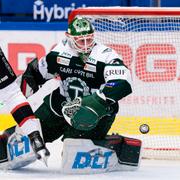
<point x="31" y="79"/>
<point x="84" y="113"/>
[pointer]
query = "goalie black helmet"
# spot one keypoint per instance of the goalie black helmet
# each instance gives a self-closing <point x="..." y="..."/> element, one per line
<point x="81" y="35"/>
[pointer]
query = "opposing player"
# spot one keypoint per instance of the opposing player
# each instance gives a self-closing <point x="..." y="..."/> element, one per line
<point x="16" y="104"/>
<point x="92" y="79"/>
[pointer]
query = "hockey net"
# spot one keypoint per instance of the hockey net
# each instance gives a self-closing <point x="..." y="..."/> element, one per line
<point x="148" y="40"/>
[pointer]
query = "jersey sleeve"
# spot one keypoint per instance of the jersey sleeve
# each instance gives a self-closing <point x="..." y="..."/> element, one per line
<point x="43" y="67"/>
<point x="7" y="75"/>
<point x="48" y="65"/>
<point x="117" y="78"/>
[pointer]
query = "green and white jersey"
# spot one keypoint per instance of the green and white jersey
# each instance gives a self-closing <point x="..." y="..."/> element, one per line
<point x="81" y="76"/>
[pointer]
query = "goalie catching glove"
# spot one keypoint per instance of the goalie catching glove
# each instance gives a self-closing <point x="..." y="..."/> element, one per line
<point x="84" y="113"/>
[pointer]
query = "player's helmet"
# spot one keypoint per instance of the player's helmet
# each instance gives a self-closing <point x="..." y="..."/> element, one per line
<point x="81" y="35"/>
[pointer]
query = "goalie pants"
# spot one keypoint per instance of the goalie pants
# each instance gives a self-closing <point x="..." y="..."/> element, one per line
<point x="54" y="126"/>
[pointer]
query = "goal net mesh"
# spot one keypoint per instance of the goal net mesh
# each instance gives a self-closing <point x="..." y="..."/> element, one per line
<point x="150" y="46"/>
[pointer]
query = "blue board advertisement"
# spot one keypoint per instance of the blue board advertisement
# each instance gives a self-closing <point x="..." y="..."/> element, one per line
<point x="48" y="11"/>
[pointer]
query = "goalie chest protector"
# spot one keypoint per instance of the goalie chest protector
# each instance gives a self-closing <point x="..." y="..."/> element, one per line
<point x="79" y="78"/>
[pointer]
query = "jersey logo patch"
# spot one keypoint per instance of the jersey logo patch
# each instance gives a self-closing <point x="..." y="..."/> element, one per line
<point x="89" y="67"/>
<point x="63" y="61"/>
<point x="91" y="60"/>
<point x="66" y="55"/>
<point x="74" y="87"/>
<point x="107" y="50"/>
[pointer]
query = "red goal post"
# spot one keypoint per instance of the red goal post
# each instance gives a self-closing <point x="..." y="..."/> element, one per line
<point x="116" y="11"/>
<point x="148" y="40"/>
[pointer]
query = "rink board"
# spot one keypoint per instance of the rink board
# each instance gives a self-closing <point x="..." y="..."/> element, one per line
<point x="126" y="125"/>
<point x="6" y="121"/>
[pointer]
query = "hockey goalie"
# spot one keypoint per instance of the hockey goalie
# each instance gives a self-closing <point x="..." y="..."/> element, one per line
<point x="92" y="79"/>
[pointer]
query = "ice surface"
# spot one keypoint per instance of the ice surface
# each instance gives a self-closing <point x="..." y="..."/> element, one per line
<point x="149" y="170"/>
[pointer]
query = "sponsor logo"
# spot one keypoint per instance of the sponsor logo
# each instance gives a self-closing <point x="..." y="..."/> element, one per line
<point x="112" y="84"/>
<point x="41" y="12"/>
<point x="114" y="72"/>
<point x="89" y="67"/>
<point x="91" y="60"/>
<point x="65" y="54"/>
<point x="63" y="61"/>
<point x="97" y="160"/>
<point x="18" y="148"/>
<point x="3" y="79"/>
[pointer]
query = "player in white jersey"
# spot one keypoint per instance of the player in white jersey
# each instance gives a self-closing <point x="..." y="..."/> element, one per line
<point x="92" y="79"/>
<point x="16" y="104"/>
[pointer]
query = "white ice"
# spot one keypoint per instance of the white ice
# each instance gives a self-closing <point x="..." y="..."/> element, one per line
<point x="149" y="170"/>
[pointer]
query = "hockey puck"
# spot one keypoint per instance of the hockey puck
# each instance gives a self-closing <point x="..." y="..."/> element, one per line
<point x="144" y="128"/>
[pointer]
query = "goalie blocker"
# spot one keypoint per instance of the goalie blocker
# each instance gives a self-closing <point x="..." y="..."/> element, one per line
<point x="115" y="153"/>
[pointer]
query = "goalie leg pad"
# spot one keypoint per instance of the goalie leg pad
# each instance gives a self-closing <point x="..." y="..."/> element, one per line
<point x="82" y="156"/>
<point x="18" y="150"/>
<point x="128" y="150"/>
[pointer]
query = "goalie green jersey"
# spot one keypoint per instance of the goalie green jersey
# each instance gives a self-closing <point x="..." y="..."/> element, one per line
<point x="81" y="75"/>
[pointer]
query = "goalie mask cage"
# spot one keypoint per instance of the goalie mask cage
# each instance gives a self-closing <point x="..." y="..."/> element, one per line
<point x="148" y="40"/>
